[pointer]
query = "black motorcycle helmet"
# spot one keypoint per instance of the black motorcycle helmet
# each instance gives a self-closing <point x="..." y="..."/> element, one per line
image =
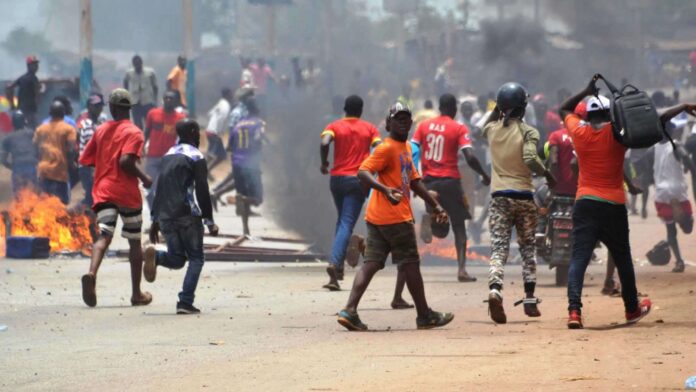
<point x="660" y="254"/>
<point x="19" y="120"/>
<point x="511" y="100"/>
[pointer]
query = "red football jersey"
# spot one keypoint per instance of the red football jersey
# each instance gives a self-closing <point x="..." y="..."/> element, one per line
<point x="353" y="138"/>
<point x="440" y="140"/>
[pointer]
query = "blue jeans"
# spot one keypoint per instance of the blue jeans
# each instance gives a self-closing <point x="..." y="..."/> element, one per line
<point x="184" y="237"/>
<point x="59" y="189"/>
<point x="87" y="180"/>
<point x="599" y="221"/>
<point x="23" y="176"/>
<point x="349" y="198"/>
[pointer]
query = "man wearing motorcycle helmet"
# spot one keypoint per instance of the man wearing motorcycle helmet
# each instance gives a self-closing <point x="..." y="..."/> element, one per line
<point x="513" y="146"/>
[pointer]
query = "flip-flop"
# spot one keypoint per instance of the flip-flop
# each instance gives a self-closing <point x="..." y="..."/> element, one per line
<point x="89" y="294"/>
<point x="404" y="305"/>
<point x="466" y="278"/>
<point x="142" y="301"/>
<point x="332" y="287"/>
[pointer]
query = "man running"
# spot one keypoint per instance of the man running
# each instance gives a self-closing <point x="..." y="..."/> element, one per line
<point x="513" y="147"/>
<point x="389" y="219"/>
<point x="671" y="189"/>
<point x="181" y="207"/>
<point x="352" y="139"/>
<point x="160" y="136"/>
<point x="441" y="139"/>
<point x="114" y="151"/>
<point x="246" y="140"/>
<point x="600" y="212"/>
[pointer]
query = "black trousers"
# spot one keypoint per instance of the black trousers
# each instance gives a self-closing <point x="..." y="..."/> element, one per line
<point x="600" y="221"/>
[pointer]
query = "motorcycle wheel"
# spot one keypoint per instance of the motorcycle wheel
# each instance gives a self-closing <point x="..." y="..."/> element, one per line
<point x="561" y="275"/>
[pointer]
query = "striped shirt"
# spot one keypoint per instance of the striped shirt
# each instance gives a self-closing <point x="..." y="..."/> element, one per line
<point x="86" y="128"/>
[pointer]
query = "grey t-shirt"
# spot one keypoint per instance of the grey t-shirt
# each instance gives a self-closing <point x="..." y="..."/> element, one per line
<point x="20" y="147"/>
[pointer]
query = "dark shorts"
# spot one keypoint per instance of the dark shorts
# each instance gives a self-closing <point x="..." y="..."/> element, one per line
<point x="450" y="197"/>
<point x="247" y="181"/>
<point x="108" y="213"/>
<point x="215" y="146"/>
<point x="398" y="239"/>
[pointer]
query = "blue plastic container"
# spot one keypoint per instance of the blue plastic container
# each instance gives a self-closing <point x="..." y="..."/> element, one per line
<point x="27" y="247"/>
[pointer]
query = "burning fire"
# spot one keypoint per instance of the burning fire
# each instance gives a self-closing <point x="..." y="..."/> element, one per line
<point x="42" y="215"/>
<point x="445" y="248"/>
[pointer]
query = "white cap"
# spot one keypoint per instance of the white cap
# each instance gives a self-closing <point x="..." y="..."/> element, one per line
<point x="598" y="103"/>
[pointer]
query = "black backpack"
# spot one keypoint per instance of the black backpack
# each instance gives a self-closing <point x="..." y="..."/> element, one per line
<point x="634" y="117"/>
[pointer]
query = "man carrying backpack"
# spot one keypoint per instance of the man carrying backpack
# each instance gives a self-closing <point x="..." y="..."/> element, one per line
<point x="600" y="212"/>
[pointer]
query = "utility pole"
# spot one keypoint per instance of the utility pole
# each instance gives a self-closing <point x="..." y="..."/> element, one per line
<point x="270" y="29"/>
<point x="86" y="74"/>
<point x="187" y="12"/>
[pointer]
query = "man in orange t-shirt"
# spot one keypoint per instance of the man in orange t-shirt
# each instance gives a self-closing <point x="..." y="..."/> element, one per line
<point x="600" y="211"/>
<point x="352" y="139"/>
<point x="389" y="219"/>
<point x="177" y="79"/>
<point x="56" y="142"/>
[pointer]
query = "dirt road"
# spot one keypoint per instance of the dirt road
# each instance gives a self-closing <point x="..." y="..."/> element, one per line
<point x="268" y="328"/>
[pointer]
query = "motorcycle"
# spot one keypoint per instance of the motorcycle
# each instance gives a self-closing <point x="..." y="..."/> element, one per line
<point x="555" y="242"/>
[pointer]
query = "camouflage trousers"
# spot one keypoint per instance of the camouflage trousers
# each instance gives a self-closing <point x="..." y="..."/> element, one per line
<point x="506" y="213"/>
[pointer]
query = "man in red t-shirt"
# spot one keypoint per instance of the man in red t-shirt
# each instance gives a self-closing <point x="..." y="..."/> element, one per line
<point x="352" y="139"/>
<point x="561" y="156"/>
<point x="114" y="151"/>
<point x="160" y="136"/>
<point x="441" y="139"/>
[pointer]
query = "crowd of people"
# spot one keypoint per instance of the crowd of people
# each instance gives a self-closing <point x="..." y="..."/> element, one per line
<point x="527" y="146"/>
<point x="515" y="143"/>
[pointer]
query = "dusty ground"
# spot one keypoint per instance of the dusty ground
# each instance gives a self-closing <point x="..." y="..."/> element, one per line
<point x="268" y="327"/>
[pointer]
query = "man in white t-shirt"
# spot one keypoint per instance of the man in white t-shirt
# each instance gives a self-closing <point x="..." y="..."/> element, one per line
<point x="217" y="125"/>
<point x="671" y="190"/>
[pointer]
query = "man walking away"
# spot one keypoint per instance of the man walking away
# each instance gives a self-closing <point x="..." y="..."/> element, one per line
<point x="19" y="154"/>
<point x="180" y="209"/>
<point x="160" y="136"/>
<point x="352" y="139"/>
<point x="389" y="219"/>
<point x="114" y="151"/>
<point x="141" y="82"/>
<point x="246" y="141"/>
<point x="86" y="125"/>
<point x="56" y="143"/>
<point x="441" y="139"/>
<point x="513" y="147"/>
<point x="600" y="212"/>
<point x="28" y="88"/>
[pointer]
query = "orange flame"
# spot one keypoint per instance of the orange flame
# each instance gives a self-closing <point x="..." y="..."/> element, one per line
<point x="445" y="248"/>
<point x="41" y="215"/>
